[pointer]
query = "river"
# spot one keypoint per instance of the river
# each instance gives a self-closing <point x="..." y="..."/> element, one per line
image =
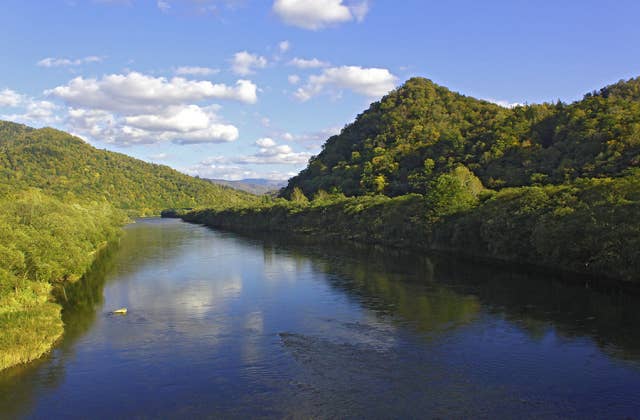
<point x="221" y="325"/>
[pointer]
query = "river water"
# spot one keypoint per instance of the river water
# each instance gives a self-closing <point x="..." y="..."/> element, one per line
<point x="224" y="326"/>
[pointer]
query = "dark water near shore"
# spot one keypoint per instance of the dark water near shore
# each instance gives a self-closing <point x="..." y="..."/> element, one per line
<point x="225" y="326"/>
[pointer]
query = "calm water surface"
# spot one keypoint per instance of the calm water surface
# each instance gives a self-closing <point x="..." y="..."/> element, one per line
<point x="224" y="326"/>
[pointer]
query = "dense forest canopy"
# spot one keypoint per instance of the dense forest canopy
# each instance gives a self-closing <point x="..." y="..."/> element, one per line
<point x="66" y="167"/>
<point x="420" y="131"/>
<point x="44" y="242"/>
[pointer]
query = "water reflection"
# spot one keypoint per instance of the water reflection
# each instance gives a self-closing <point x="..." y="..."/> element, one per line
<point x="20" y="385"/>
<point x="437" y="292"/>
<point x="227" y="326"/>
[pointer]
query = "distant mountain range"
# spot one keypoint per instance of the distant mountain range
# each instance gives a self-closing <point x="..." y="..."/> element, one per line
<point x="257" y="186"/>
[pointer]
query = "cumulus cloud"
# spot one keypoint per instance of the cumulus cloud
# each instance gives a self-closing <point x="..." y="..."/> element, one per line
<point x="140" y="109"/>
<point x="35" y="112"/>
<point x="215" y="133"/>
<point x="293" y="79"/>
<point x="196" y="71"/>
<point x="284" y="46"/>
<point x="66" y="62"/>
<point x="244" y="63"/>
<point x="313" y="63"/>
<point x="266" y="142"/>
<point x="181" y="119"/>
<point x="10" y="98"/>
<point x="136" y="92"/>
<point x="270" y="153"/>
<point x="372" y="82"/>
<point x="188" y="124"/>
<point x="318" y="14"/>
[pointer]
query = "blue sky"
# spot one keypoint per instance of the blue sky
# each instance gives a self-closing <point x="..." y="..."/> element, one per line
<point x="251" y="88"/>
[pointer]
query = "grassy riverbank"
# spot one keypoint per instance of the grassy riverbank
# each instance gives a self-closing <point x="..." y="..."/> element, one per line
<point x="588" y="226"/>
<point x="44" y="243"/>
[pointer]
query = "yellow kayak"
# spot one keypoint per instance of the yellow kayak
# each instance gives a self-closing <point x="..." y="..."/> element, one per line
<point x="121" y="311"/>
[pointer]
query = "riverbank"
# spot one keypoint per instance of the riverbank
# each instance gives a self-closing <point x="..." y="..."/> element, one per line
<point x="587" y="227"/>
<point x="44" y="244"/>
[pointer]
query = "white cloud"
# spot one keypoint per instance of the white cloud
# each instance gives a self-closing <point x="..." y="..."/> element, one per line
<point x="244" y="91"/>
<point x="97" y="124"/>
<point x="182" y="125"/>
<point x="318" y="14"/>
<point x="271" y="153"/>
<point x="310" y="140"/>
<point x="234" y="167"/>
<point x="196" y="71"/>
<point x="284" y="46"/>
<point x="313" y="63"/>
<point x="360" y="10"/>
<point x="163" y="5"/>
<point x="265" y="142"/>
<point x="244" y="63"/>
<point x="215" y="133"/>
<point x="36" y="112"/>
<point x="373" y="82"/>
<point x="66" y="62"/>
<point x="181" y="119"/>
<point x="10" y="98"/>
<point x="294" y="79"/>
<point x="217" y="167"/>
<point x="189" y="7"/>
<point x="159" y="156"/>
<point x="139" y="93"/>
<point x="141" y="109"/>
<point x="503" y="103"/>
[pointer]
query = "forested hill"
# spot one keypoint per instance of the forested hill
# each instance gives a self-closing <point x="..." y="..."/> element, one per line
<point x="422" y="130"/>
<point x="66" y="167"/>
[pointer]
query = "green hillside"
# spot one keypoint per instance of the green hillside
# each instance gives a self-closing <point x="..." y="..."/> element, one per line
<point x="550" y="185"/>
<point x="66" y="167"/>
<point x="422" y="130"/>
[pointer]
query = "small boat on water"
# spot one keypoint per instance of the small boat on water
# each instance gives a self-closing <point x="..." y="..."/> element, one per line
<point x="121" y="311"/>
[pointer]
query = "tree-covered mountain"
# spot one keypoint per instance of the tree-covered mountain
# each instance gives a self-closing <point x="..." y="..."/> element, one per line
<point x="402" y="143"/>
<point x="553" y="185"/>
<point x="66" y="167"/>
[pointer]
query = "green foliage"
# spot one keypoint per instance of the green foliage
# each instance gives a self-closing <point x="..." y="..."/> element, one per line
<point x="298" y="197"/>
<point x="453" y="192"/>
<point x="588" y="226"/>
<point x="422" y="131"/>
<point x="44" y="242"/>
<point x="70" y="169"/>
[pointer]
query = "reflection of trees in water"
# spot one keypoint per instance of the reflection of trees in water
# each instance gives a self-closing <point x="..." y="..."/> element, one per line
<point x="391" y="290"/>
<point x="387" y="284"/>
<point x="150" y="240"/>
<point x="440" y="291"/>
<point x="20" y="385"/>
<point x="536" y="302"/>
